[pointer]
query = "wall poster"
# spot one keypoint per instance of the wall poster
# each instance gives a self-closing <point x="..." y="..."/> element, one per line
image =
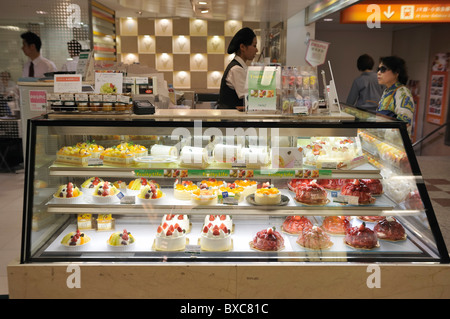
<point x="437" y="91"/>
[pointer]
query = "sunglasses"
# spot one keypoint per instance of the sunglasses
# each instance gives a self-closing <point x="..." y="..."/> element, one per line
<point x="382" y="69"/>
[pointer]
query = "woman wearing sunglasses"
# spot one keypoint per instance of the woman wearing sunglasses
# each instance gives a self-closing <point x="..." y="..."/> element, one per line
<point x="396" y="101"/>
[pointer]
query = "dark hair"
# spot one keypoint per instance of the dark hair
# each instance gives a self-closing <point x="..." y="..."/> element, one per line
<point x="32" y="38"/>
<point x="74" y="47"/>
<point x="365" y="62"/>
<point x="244" y="36"/>
<point x="396" y="65"/>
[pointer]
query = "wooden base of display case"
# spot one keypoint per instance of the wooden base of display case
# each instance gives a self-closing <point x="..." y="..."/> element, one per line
<point x="227" y="281"/>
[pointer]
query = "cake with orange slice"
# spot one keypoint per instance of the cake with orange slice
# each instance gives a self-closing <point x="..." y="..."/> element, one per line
<point x="67" y="193"/>
<point x="73" y="155"/>
<point x="123" y="153"/>
<point x="204" y="197"/>
<point x="233" y="190"/>
<point x="183" y="190"/>
<point x="249" y="186"/>
<point x="92" y="147"/>
<point x="268" y="196"/>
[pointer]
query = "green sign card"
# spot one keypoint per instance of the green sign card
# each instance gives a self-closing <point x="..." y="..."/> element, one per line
<point x="262" y="88"/>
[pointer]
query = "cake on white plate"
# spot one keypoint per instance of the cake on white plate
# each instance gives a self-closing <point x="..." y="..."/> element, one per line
<point x="227" y="220"/>
<point x="215" y="238"/>
<point x="170" y="238"/>
<point x="176" y="219"/>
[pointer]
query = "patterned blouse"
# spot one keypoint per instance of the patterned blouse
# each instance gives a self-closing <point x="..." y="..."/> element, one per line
<point x="397" y="102"/>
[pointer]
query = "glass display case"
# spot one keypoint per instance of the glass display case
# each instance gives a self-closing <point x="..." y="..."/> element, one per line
<point x="273" y="190"/>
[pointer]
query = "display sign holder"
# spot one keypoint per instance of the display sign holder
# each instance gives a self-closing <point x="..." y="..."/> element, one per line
<point x="262" y="84"/>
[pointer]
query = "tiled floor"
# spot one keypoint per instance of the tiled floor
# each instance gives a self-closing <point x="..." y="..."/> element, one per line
<point x="435" y="170"/>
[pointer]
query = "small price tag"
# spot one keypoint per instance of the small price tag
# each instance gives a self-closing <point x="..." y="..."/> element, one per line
<point x="95" y="161"/>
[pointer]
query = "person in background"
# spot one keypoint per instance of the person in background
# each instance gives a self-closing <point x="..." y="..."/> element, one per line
<point x="74" y="48"/>
<point x="232" y="86"/>
<point x="396" y="101"/>
<point x="38" y="65"/>
<point x="365" y="92"/>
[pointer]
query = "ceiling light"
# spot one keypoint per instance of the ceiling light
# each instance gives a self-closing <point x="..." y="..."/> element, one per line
<point x="328" y="19"/>
<point x="41" y="12"/>
<point x="204" y="11"/>
<point x="202" y="2"/>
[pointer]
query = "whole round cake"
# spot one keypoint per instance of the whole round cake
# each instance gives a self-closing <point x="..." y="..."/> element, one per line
<point x="210" y="183"/>
<point x="390" y="229"/>
<point x="204" y="197"/>
<point x="177" y="220"/>
<point x="169" y="238"/>
<point x="267" y="196"/>
<point x="183" y="190"/>
<point x="215" y="237"/>
<point x="295" y="224"/>
<point x="248" y="186"/>
<point x="413" y="200"/>
<point x="135" y="186"/>
<point x="233" y="189"/>
<point x="375" y="186"/>
<point x="105" y="192"/>
<point x="268" y="240"/>
<point x="227" y="220"/>
<point x="361" y="237"/>
<point x="335" y="225"/>
<point x="314" y="238"/>
<point x="76" y="238"/>
<point x="294" y="183"/>
<point x="331" y="184"/>
<point x="123" y="238"/>
<point x="120" y="185"/>
<point x="311" y="194"/>
<point x="360" y="190"/>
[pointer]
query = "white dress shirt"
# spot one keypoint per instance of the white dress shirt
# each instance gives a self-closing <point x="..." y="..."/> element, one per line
<point x="237" y="76"/>
<point x="41" y="66"/>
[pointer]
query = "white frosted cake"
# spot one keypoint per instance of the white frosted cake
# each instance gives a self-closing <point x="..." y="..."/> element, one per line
<point x="204" y="197"/>
<point x="177" y="220"/>
<point x="218" y="220"/>
<point x="215" y="238"/>
<point x="170" y="238"/>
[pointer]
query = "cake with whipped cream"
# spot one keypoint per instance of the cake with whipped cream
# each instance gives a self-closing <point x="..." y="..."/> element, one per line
<point x="150" y="193"/>
<point x="204" y="197"/>
<point x="89" y="185"/>
<point x="227" y="220"/>
<point x="170" y="238"/>
<point x="215" y="237"/>
<point x="183" y="190"/>
<point x="268" y="196"/>
<point x="177" y="220"/>
<point x="249" y="186"/>
<point x="67" y="193"/>
<point x="105" y="192"/>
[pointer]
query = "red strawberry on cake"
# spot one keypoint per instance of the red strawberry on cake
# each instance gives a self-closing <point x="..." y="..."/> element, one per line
<point x="295" y="224"/>
<point x="268" y="240"/>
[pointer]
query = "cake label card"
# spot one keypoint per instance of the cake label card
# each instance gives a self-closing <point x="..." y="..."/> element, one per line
<point x="67" y="83"/>
<point x="192" y="249"/>
<point x="95" y="162"/>
<point x="128" y="199"/>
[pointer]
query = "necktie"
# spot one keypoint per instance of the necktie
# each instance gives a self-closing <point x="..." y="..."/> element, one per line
<point x="31" y="70"/>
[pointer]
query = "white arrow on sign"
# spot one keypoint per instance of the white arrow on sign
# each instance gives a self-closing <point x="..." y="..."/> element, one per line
<point x="389" y="13"/>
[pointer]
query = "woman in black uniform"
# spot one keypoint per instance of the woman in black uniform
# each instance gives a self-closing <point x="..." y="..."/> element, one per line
<point x="232" y="86"/>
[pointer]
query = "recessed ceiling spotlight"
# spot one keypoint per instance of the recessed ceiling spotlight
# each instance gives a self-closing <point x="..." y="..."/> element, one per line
<point x="328" y="19"/>
<point x="41" y="12"/>
<point x="202" y="2"/>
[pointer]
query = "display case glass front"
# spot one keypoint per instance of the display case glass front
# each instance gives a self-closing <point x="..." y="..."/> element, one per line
<point x="225" y="191"/>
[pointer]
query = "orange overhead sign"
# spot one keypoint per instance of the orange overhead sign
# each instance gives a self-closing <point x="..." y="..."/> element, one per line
<point x="395" y="12"/>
